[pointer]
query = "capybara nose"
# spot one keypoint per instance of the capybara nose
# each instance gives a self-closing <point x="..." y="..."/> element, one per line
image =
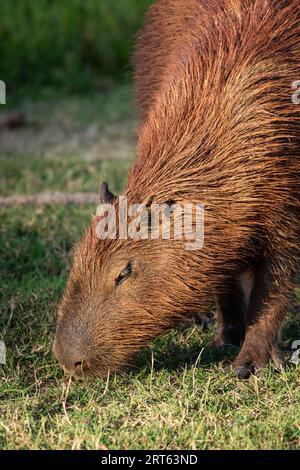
<point x="69" y="356"/>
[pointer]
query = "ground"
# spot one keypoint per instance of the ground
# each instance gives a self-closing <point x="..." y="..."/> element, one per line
<point x="183" y="394"/>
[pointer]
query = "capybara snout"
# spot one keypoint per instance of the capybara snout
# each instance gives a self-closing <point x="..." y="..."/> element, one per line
<point x="69" y="348"/>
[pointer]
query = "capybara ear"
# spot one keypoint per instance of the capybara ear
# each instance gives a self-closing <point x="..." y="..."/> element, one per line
<point x="106" y="197"/>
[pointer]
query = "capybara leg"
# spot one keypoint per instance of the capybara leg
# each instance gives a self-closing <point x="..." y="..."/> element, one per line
<point x="231" y="315"/>
<point x="203" y="321"/>
<point x="268" y="302"/>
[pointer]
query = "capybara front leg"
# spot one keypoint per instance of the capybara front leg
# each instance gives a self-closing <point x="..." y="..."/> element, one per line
<point x="231" y="315"/>
<point x="268" y="302"/>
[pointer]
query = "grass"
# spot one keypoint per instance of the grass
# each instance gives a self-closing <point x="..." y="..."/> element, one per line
<point x="182" y="395"/>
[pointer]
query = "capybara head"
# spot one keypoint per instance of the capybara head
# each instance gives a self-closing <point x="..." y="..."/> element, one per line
<point x="120" y="295"/>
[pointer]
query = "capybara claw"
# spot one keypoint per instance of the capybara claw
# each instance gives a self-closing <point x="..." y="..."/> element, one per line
<point x="245" y="371"/>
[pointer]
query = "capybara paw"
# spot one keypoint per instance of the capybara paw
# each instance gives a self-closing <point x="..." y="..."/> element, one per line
<point x="245" y="370"/>
<point x="250" y="362"/>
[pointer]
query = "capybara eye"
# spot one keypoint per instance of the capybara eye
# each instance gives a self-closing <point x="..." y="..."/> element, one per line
<point x="124" y="274"/>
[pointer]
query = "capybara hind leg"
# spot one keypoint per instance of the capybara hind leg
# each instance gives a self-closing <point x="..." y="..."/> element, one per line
<point x="268" y="302"/>
<point x="203" y="321"/>
<point x="231" y="315"/>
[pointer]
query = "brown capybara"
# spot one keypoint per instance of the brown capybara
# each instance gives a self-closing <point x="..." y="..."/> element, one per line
<point x="220" y="126"/>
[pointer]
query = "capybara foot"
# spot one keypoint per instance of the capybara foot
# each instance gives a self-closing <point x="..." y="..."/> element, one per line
<point x="251" y="359"/>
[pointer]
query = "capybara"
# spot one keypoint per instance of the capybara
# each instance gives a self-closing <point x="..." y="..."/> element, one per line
<point x="220" y="126"/>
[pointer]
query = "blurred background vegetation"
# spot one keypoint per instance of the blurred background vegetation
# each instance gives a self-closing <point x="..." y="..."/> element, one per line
<point x="75" y="45"/>
<point x="69" y="119"/>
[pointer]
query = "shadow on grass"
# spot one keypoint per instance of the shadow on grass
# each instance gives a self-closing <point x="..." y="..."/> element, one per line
<point x="176" y="355"/>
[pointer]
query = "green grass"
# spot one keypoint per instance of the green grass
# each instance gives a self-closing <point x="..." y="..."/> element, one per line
<point x="62" y="174"/>
<point x="182" y="394"/>
<point x="69" y="144"/>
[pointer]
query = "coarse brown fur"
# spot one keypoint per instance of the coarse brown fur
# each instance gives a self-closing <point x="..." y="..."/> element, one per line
<point x="218" y="127"/>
